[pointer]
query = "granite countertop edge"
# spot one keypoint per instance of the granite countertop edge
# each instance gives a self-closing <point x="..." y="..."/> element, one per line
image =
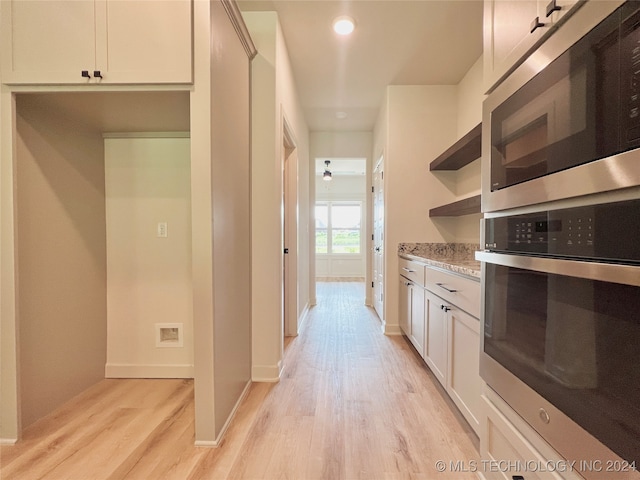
<point x="455" y="257"/>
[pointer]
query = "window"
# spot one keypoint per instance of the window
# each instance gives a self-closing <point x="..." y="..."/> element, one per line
<point x="338" y="227"/>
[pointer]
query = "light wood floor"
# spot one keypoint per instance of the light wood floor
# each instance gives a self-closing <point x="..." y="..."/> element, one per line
<point x="352" y="404"/>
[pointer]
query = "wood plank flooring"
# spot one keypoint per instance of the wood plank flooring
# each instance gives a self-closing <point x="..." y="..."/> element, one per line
<point x="352" y="404"/>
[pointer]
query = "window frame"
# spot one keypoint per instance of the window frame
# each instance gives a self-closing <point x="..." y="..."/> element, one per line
<point x="329" y="228"/>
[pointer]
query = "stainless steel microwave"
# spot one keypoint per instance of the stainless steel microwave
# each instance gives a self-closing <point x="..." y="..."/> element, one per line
<point x="566" y="123"/>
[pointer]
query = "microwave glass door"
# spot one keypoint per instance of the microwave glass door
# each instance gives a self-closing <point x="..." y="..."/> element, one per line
<point x="565" y="116"/>
<point x="574" y="341"/>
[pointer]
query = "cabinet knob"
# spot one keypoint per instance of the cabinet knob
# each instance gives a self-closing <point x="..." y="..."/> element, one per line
<point x="85" y="74"/>
<point x="536" y="24"/>
<point x="445" y="308"/>
<point x="553" y="7"/>
<point x="97" y="74"/>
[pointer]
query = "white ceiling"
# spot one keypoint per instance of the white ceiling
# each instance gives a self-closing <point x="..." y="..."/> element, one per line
<point x="396" y="42"/>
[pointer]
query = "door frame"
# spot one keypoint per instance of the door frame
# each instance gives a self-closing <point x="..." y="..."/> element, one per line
<point x="377" y="260"/>
<point x="290" y="198"/>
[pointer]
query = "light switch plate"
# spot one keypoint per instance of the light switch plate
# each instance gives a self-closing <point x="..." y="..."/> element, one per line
<point x="162" y="231"/>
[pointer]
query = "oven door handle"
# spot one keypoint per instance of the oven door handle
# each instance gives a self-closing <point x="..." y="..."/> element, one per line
<point x="605" y="272"/>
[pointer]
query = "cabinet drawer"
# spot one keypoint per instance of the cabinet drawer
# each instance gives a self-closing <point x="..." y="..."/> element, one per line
<point x="460" y="291"/>
<point x="506" y="437"/>
<point x="414" y="271"/>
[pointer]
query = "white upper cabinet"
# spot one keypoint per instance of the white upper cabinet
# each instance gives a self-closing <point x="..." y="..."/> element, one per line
<point x="111" y="41"/>
<point x="513" y="28"/>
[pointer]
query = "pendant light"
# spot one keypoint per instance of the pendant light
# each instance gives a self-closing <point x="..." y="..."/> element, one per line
<point x="326" y="176"/>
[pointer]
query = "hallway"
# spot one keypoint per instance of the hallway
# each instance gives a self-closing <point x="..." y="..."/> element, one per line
<point x="351" y="404"/>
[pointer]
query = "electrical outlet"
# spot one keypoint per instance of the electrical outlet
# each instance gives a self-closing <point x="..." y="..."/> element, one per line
<point x="162" y="230"/>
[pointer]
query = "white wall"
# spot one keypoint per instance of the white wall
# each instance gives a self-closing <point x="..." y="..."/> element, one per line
<point x="470" y="97"/>
<point x="147" y="181"/>
<point x="415" y="125"/>
<point x="60" y="259"/>
<point x="420" y="124"/>
<point x="274" y="102"/>
<point x="465" y="182"/>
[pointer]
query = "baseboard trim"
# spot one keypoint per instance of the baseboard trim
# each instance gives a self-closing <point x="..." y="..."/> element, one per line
<point x="8" y="441"/>
<point x="266" y="373"/>
<point x="302" y="321"/>
<point x="205" y="443"/>
<point x="232" y="415"/>
<point x="115" y="370"/>
<point x="391" y="329"/>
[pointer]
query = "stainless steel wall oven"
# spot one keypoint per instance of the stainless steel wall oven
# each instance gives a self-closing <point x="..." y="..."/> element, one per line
<point x="561" y="236"/>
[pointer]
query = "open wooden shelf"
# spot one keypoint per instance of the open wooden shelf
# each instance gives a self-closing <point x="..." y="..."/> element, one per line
<point x="466" y="206"/>
<point x="461" y="153"/>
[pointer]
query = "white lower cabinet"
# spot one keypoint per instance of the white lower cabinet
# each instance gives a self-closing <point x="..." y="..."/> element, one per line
<point x="510" y="447"/>
<point x="404" y="306"/>
<point x="446" y="336"/>
<point x="411" y="303"/>
<point x="436" y="345"/>
<point x="453" y="354"/>
<point x="417" y="335"/>
<point x="464" y="383"/>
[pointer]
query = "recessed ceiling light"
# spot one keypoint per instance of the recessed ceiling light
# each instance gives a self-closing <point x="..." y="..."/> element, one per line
<point x="341" y="115"/>
<point x="343" y="25"/>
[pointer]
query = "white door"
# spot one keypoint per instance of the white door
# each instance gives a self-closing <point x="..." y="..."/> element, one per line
<point x="378" y="238"/>
<point x="290" y="238"/>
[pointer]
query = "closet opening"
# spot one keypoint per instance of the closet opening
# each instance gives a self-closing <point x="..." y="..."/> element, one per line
<point x="103" y="241"/>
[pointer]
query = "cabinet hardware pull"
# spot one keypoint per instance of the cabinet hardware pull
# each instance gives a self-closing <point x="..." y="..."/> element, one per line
<point x="445" y="308"/>
<point x="553" y="7"/>
<point x="97" y="74"/>
<point x="408" y="270"/>
<point x="85" y="74"/>
<point x="408" y="284"/>
<point x="536" y="24"/>
<point x="441" y="285"/>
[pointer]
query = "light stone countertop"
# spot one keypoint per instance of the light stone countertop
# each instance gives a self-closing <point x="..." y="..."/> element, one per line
<point x="455" y="257"/>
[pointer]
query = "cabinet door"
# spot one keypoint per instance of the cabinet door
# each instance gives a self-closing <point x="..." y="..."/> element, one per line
<point x="464" y="384"/>
<point x="501" y="441"/>
<point x="508" y="36"/>
<point x="436" y="344"/>
<point x="46" y="41"/>
<point x="417" y="318"/>
<point x="145" y="41"/>
<point x="404" y="306"/>
<point x="53" y="41"/>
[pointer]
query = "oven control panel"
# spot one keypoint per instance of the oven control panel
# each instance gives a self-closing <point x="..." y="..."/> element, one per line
<point x="607" y="232"/>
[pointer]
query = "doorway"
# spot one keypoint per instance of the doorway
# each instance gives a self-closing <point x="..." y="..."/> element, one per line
<point x="340" y="218"/>
<point x="290" y="250"/>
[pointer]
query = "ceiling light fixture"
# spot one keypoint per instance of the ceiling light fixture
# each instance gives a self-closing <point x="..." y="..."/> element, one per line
<point x="326" y="176"/>
<point x="344" y="25"/>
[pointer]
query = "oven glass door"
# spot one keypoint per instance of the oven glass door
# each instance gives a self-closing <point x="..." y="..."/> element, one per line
<point x="575" y="341"/>
<point x="567" y="115"/>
